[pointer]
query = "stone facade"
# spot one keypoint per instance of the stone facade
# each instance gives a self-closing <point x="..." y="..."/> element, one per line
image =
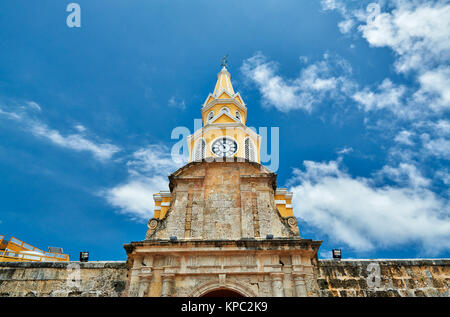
<point x="406" y="278"/>
<point x="222" y="231"/>
<point x="214" y="200"/>
<point x="398" y="278"/>
<point x="62" y="279"/>
<point x="279" y="267"/>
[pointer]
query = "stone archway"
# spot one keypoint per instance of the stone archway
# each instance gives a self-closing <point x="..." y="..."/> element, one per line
<point x="222" y="292"/>
<point x="215" y="289"/>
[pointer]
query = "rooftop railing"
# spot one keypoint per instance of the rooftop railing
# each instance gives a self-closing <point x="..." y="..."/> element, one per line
<point x="9" y="256"/>
<point x="23" y="250"/>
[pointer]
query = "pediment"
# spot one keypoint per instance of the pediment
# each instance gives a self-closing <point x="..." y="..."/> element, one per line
<point x="239" y="99"/>
<point x="224" y="117"/>
<point x="225" y="95"/>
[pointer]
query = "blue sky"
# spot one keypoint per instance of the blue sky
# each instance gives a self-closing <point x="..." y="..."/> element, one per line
<point x="361" y="100"/>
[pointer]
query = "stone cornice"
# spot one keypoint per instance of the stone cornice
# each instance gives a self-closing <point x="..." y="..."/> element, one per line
<point x="210" y="160"/>
<point x="276" y="245"/>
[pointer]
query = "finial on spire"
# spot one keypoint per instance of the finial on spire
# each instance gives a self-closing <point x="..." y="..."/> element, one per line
<point x="224" y="61"/>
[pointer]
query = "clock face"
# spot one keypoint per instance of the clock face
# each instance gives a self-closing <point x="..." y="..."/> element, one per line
<point x="224" y="147"/>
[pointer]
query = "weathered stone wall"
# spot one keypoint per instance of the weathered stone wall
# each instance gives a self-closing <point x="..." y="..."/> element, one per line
<point x="62" y="279"/>
<point x="333" y="278"/>
<point x="218" y="200"/>
<point x="411" y="278"/>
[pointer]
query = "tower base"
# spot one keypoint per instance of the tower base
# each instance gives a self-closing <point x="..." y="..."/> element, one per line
<point x="246" y="267"/>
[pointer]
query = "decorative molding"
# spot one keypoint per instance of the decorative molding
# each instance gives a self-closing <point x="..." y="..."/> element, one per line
<point x="207" y="287"/>
<point x="217" y="101"/>
<point x="222" y="279"/>
<point x="289" y="195"/>
<point x="221" y="113"/>
<point x="220" y="126"/>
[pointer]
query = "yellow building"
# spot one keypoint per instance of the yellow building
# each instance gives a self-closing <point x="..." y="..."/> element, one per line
<point x="16" y="250"/>
<point x="224" y="133"/>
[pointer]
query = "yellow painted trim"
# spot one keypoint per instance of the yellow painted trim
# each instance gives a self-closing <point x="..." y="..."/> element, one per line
<point x="216" y="108"/>
<point x="236" y="133"/>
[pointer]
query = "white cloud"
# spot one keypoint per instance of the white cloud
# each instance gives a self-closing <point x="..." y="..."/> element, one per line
<point x="405" y="174"/>
<point x="346" y="25"/>
<point x="435" y="139"/>
<point x="313" y="84"/>
<point x="444" y="176"/>
<point x="34" y="105"/>
<point x="303" y="59"/>
<point x="424" y="139"/>
<point x="80" y="128"/>
<point x="404" y="137"/>
<point x="439" y="147"/>
<point x="418" y="31"/>
<point x="356" y="212"/>
<point x="274" y="89"/>
<point x="350" y="16"/>
<point x="310" y="78"/>
<point x="10" y="115"/>
<point x="153" y="158"/>
<point x="76" y="142"/>
<point x="442" y="127"/>
<point x="175" y="103"/>
<point x="387" y="96"/>
<point x="334" y="5"/>
<point x="135" y="197"/>
<point x="148" y="170"/>
<point x="437" y="83"/>
<point x="345" y="150"/>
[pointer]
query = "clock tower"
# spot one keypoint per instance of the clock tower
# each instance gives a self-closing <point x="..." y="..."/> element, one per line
<point x="223" y="228"/>
<point x="224" y="133"/>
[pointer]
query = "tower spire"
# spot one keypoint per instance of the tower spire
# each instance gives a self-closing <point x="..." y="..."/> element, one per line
<point x="224" y="62"/>
<point x="224" y="133"/>
<point x="223" y="79"/>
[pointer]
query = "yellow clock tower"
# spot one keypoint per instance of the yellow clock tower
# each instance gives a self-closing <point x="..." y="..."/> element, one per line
<point x="224" y="133"/>
<point x="223" y="228"/>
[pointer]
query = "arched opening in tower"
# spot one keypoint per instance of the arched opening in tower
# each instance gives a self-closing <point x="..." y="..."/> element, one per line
<point x="222" y="292"/>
